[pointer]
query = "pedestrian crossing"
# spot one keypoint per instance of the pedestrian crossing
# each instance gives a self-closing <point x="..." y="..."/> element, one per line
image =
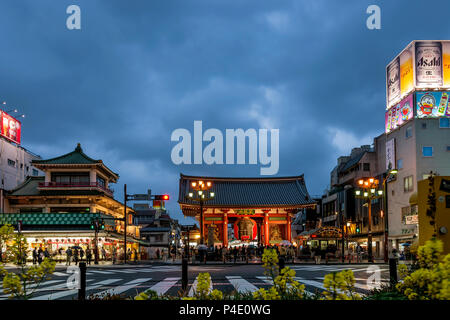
<point x="57" y="289"/>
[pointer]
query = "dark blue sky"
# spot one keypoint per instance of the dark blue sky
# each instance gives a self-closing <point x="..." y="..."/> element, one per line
<point x="137" y="70"/>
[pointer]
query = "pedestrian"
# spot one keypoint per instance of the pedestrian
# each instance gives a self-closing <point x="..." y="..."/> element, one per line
<point x="68" y="256"/>
<point x="114" y="255"/>
<point x="158" y="254"/>
<point x="35" y="255"/>
<point x="103" y="254"/>
<point x="75" y="256"/>
<point x="135" y="255"/>
<point x="81" y="254"/>
<point x="88" y="256"/>
<point x="359" y="253"/>
<point x="40" y="255"/>
<point x="129" y="254"/>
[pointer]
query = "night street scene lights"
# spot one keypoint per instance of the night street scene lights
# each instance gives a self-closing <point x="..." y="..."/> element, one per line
<point x="201" y="194"/>
<point x="369" y="191"/>
<point x="387" y="176"/>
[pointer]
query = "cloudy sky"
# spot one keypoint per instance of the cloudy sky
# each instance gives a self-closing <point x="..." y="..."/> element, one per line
<point x="137" y="70"/>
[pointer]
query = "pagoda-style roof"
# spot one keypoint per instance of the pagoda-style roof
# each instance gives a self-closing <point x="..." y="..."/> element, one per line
<point x="76" y="157"/>
<point x="285" y="192"/>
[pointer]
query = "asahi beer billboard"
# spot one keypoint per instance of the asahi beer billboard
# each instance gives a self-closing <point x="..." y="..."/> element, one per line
<point x="10" y="127"/>
<point x="429" y="64"/>
<point x="422" y="65"/>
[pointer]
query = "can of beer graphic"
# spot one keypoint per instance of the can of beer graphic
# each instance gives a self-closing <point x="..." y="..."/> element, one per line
<point x="393" y="81"/>
<point x="429" y="64"/>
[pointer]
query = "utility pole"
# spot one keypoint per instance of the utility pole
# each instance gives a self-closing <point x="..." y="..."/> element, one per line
<point x="369" y="231"/>
<point x="201" y="222"/>
<point x="125" y="223"/>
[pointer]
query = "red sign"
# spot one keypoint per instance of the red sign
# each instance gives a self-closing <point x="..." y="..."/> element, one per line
<point x="10" y="127"/>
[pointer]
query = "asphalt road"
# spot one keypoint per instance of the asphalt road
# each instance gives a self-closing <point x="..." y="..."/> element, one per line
<point x="133" y="279"/>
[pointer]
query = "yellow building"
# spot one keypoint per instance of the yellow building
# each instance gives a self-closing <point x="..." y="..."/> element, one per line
<point x="441" y="186"/>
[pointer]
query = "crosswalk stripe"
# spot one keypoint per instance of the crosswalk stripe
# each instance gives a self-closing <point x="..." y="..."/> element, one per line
<point x="241" y="284"/>
<point x="102" y="272"/>
<point x="62" y="294"/>
<point x="120" y="289"/>
<point x="164" y="285"/>
<point x="310" y="283"/>
<point x="194" y="287"/>
<point x="60" y="274"/>
<point x="31" y="286"/>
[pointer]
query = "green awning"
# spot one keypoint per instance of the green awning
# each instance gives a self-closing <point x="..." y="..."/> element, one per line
<point x="54" y="218"/>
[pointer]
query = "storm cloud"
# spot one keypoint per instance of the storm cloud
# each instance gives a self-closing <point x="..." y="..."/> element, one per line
<point x="137" y="70"/>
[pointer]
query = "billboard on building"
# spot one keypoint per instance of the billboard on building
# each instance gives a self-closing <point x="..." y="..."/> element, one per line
<point x="432" y="104"/>
<point x="422" y="65"/>
<point x="390" y="154"/>
<point x="399" y="114"/>
<point x="10" y="127"/>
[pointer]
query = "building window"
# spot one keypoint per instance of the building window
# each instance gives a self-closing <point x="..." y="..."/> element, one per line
<point x="408" y="132"/>
<point x="400" y="164"/>
<point x="427" y="151"/>
<point x="447" y="201"/>
<point x="35" y="172"/>
<point x="424" y="125"/>
<point x="448" y="148"/>
<point x="408" y="184"/>
<point x="444" y="123"/>
<point x="101" y="182"/>
<point x="11" y="163"/>
<point x="76" y="178"/>
<point x="366" y="166"/>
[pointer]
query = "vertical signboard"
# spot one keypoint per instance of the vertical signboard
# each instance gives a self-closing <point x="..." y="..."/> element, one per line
<point x="390" y="153"/>
<point x="9" y="127"/>
<point x="406" y="71"/>
<point x="428" y="64"/>
<point x="393" y="81"/>
<point x="446" y="63"/>
<point x="399" y="114"/>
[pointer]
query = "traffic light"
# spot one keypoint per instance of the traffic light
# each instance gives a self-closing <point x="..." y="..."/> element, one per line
<point x="357" y="230"/>
<point x="162" y="197"/>
<point x="92" y="225"/>
<point x="19" y="226"/>
<point x="102" y="225"/>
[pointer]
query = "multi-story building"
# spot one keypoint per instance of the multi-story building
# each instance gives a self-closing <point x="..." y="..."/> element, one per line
<point x="15" y="166"/>
<point x="57" y="209"/>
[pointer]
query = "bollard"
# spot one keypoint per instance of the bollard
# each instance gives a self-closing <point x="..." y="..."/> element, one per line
<point x="281" y="263"/>
<point x="184" y="274"/>
<point x="393" y="271"/>
<point x="82" y="279"/>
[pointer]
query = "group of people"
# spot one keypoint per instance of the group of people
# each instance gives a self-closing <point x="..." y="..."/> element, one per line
<point x="39" y="255"/>
<point x="77" y="254"/>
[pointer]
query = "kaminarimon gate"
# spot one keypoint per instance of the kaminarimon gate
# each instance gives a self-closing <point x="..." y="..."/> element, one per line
<point x="246" y="210"/>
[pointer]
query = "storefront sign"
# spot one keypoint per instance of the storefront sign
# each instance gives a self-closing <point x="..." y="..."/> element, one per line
<point x="399" y="114"/>
<point x="413" y="219"/>
<point x="393" y="81"/>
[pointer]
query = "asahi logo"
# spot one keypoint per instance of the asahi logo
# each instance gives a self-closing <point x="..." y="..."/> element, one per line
<point x="433" y="62"/>
<point x="393" y="80"/>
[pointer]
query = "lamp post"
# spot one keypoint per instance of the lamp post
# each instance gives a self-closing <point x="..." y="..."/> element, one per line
<point x="369" y="192"/>
<point x="390" y="172"/>
<point x="201" y="194"/>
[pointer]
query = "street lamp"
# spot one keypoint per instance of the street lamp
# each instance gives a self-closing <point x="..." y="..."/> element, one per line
<point x="201" y="194"/>
<point x="369" y="192"/>
<point x="388" y="174"/>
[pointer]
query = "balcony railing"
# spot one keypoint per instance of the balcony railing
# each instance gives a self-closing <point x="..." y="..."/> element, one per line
<point x="58" y="185"/>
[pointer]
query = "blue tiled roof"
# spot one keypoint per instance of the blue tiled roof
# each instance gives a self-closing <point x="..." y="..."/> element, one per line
<point x="258" y="192"/>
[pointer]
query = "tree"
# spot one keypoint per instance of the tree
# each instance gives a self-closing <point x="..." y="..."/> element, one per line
<point x="26" y="281"/>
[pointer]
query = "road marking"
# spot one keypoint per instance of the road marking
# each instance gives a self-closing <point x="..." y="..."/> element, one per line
<point x="312" y="283"/>
<point x="164" y="285"/>
<point x="194" y="287"/>
<point x="4" y="297"/>
<point x="60" y="274"/>
<point x="120" y="289"/>
<point x="241" y="284"/>
<point x="102" y="272"/>
<point x="57" y="295"/>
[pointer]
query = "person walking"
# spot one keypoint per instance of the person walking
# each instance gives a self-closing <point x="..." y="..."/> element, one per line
<point x="81" y="254"/>
<point x="75" y="256"/>
<point x="88" y="256"/>
<point x="359" y="253"/>
<point x="103" y="254"/>
<point x="35" y="255"/>
<point x="135" y="255"/>
<point x="68" y="256"/>
<point x="40" y="255"/>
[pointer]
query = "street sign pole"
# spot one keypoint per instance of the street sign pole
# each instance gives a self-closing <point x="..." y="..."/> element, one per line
<point x="125" y="224"/>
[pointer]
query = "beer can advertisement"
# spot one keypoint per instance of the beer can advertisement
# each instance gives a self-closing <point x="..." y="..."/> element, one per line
<point x="429" y="64"/>
<point x="432" y="104"/>
<point x="399" y="114"/>
<point x="393" y="81"/>
<point x="10" y="127"/>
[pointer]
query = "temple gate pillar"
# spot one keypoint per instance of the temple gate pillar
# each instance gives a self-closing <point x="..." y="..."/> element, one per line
<point x="225" y="229"/>
<point x="288" y="227"/>
<point x="266" y="227"/>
